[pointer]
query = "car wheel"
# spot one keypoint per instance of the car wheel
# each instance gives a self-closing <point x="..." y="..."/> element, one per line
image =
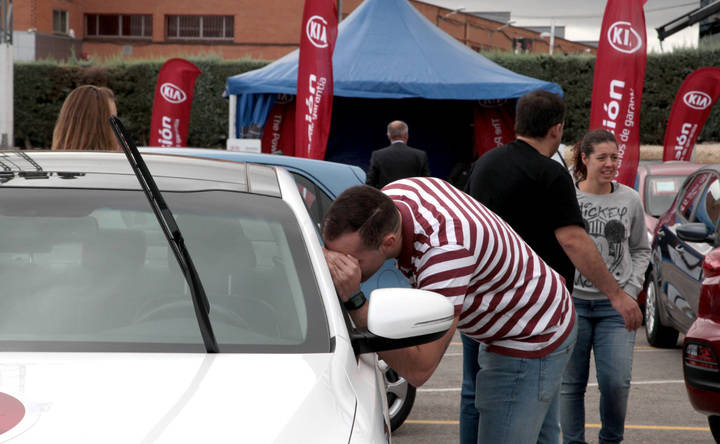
<point x="657" y="334"/>
<point x="714" y="422"/>
<point x="400" y="395"/>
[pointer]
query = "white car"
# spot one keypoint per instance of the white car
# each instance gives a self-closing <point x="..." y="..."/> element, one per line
<point x="107" y="335"/>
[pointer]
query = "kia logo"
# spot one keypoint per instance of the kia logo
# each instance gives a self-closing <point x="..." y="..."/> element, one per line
<point x="316" y="30"/>
<point x="12" y="411"/>
<point x="172" y="93"/>
<point x="697" y="100"/>
<point x="282" y="99"/>
<point x="624" y="38"/>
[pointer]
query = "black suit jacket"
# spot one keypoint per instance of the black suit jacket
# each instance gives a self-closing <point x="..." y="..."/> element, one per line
<point x="396" y="162"/>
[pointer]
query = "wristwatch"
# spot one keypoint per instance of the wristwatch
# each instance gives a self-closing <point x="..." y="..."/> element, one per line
<point x="356" y="301"/>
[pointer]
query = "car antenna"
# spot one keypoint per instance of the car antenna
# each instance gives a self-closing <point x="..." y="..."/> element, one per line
<point x="172" y="233"/>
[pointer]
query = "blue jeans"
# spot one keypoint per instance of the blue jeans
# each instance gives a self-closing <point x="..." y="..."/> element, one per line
<point x="517" y="398"/>
<point x="602" y="330"/>
<point x="468" y="411"/>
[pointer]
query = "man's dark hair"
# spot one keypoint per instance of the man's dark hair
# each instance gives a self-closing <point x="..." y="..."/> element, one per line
<point x="537" y="112"/>
<point x="364" y="209"/>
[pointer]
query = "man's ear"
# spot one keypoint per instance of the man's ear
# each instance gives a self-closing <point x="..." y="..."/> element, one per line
<point x="388" y="242"/>
<point x="556" y="130"/>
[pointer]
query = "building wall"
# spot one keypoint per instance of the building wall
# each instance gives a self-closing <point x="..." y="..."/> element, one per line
<point x="266" y="29"/>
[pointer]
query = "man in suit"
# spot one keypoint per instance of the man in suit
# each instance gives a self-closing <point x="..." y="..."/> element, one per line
<point x="396" y="161"/>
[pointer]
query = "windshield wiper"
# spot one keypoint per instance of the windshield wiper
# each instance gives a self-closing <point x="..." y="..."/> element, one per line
<point x="172" y="233"/>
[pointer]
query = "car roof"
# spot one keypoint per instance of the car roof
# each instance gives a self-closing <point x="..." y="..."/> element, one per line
<point x="92" y="169"/>
<point x="336" y="177"/>
<point x="671" y="167"/>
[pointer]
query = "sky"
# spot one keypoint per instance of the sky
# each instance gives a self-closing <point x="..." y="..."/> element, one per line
<point x="582" y="18"/>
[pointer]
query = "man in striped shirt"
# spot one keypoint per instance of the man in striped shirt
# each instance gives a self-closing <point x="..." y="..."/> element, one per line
<point x="505" y="296"/>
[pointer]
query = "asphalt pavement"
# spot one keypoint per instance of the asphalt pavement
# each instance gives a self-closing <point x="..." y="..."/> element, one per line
<point x="658" y="410"/>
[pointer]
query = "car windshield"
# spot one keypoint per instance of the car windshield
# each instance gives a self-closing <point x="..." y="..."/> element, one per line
<point x="660" y="192"/>
<point x="90" y="270"/>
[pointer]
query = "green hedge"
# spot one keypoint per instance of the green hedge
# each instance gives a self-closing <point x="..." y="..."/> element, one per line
<point x="664" y="73"/>
<point x="41" y="87"/>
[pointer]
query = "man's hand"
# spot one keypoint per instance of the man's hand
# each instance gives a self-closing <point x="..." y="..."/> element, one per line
<point x="628" y="309"/>
<point x="345" y="272"/>
<point x="584" y="254"/>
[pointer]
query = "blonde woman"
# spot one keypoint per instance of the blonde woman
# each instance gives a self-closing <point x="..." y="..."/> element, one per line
<point x="83" y="120"/>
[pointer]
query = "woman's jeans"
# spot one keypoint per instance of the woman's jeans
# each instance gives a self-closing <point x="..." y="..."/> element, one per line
<point x="517" y="398"/>
<point x="602" y="330"/>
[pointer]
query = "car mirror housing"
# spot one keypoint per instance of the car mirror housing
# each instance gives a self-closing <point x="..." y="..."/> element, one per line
<point x="695" y="232"/>
<point x="403" y="317"/>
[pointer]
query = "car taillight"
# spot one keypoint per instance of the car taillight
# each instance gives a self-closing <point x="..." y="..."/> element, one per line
<point x="700" y="356"/>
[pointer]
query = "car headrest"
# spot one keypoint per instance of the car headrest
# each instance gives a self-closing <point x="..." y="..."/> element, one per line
<point x="115" y="250"/>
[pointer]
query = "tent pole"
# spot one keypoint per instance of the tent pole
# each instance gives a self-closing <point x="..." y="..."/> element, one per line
<point x="232" y="104"/>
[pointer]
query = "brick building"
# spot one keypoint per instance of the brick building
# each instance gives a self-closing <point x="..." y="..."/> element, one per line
<point x="267" y="29"/>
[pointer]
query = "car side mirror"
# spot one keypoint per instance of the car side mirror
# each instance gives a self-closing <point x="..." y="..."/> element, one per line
<point x="403" y="317"/>
<point x="696" y="232"/>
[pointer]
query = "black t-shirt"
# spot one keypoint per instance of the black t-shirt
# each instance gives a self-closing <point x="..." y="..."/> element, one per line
<point x="532" y="193"/>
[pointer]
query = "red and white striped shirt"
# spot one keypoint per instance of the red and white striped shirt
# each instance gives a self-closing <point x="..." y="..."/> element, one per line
<point x="505" y="295"/>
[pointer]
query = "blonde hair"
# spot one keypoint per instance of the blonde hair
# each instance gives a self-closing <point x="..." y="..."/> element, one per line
<point x="83" y="120"/>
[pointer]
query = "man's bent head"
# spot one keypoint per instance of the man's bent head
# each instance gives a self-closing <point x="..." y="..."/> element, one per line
<point x="364" y="223"/>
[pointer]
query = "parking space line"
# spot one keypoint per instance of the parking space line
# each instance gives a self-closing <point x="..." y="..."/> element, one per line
<point x="643" y="348"/>
<point x="656" y="427"/>
<point x="590" y="384"/>
<point x="592" y="426"/>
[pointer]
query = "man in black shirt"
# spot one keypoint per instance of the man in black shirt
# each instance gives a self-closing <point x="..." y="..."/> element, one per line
<point x="535" y="195"/>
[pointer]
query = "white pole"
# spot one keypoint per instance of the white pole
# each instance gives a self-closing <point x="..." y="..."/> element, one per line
<point x="232" y="110"/>
<point x="6" y="75"/>
<point x="552" y="35"/>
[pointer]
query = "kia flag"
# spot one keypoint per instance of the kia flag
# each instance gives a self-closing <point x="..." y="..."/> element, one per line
<point x="172" y="102"/>
<point x="279" y="132"/>
<point x="691" y="108"/>
<point x="618" y="81"/>
<point x="315" y="78"/>
<point x="494" y="124"/>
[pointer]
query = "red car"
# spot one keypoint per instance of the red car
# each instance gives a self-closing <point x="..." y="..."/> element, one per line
<point x="701" y="347"/>
<point x="658" y="183"/>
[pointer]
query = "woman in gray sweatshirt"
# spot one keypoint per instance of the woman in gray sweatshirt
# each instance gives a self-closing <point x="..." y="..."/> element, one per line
<point x="614" y="219"/>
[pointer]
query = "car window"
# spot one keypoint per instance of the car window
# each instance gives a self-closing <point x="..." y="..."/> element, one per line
<point x="91" y="270"/>
<point x="708" y="208"/>
<point x="660" y="192"/>
<point x="316" y="201"/>
<point x="689" y="198"/>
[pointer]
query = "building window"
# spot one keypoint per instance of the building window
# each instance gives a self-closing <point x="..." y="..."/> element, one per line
<point x="116" y="25"/>
<point x="208" y="27"/>
<point x="60" y="21"/>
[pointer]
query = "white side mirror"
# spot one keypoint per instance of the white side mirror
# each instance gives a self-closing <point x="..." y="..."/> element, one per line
<point x="397" y="313"/>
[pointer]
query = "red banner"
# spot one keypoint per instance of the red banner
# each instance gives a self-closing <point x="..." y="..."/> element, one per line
<point x="315" y="78"/>
<point x="172" y="102"/>
<point x="690" y="110"/>
<point x="494" y="124"/>
<point x="618" y="81"/>
<point x="279" y="131"/>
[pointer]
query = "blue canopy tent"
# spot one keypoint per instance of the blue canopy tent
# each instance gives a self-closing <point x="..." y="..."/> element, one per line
<point x="391" y="63"/>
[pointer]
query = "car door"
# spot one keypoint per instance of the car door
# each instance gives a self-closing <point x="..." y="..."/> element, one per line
<point x="681" y="264"/>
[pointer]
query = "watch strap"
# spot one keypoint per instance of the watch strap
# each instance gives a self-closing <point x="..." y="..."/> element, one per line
<point x="356" y="301"/>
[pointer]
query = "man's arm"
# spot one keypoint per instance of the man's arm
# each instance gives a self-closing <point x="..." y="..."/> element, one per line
<point x="584" y="255"/>
<point x="425" y="167"/>
<point x="416" y="364"/>
<point x="372" y="177"/>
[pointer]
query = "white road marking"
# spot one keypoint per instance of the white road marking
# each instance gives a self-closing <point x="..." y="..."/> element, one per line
<point x="591" y="384"/>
